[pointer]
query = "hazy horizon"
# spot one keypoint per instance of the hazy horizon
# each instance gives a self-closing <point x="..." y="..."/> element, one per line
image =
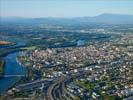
<point x="63" y="9"/>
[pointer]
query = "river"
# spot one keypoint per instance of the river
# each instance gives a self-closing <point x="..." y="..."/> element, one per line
<point x="11" y="67"/>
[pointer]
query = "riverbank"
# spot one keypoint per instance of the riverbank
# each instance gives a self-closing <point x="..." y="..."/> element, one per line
<point x="11" y="67"/>
<point x="1" y="67"/>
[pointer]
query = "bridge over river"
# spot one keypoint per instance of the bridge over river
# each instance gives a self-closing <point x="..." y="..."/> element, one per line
<point x="7" y="76"/>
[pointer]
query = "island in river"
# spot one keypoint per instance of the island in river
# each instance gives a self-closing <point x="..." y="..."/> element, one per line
<point x="1" y="67"/>
<point x="6" y="43"/>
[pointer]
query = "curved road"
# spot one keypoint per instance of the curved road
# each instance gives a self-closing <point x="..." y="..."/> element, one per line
<point x="58" y="91"/>
<point x="55" y="88"/>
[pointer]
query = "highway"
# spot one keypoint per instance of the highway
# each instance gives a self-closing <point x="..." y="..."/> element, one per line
<point x="58" y="91"/>
<point x="55" y="88"/>
<point x="34" y="84"/>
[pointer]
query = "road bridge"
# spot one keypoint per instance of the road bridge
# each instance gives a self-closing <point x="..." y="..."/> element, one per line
<point x="8" y="76"/>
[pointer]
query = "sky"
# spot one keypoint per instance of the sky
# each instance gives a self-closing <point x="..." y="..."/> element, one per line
<point x="63" y="8"/>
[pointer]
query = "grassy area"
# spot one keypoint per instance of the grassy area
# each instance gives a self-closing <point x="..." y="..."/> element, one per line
<point x="86" y="85"/>
<point x="22" y="94"/>
<point x="105" y="96"/>
<point x="1" y="98"/>
<point x="28" y="48"/>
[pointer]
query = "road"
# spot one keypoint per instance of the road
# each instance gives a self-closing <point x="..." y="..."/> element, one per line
<point x="55" y="88"/>
<point x="58" y="91"/>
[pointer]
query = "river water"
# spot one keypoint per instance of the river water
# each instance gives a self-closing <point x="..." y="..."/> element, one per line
<point x="11" y="68"/>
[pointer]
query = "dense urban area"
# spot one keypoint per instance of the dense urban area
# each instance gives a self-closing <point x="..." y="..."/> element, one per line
<point x="72" y="62"/>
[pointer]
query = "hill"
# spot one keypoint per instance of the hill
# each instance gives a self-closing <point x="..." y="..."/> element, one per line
<point x="103" y="19"/>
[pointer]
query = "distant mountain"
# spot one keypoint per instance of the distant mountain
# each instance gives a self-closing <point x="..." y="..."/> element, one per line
<point x="113" y="19"/>
<point x="103" y="19"/>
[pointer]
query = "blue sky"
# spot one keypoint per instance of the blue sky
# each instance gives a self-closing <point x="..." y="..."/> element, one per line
<point x="63" y="8"/>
